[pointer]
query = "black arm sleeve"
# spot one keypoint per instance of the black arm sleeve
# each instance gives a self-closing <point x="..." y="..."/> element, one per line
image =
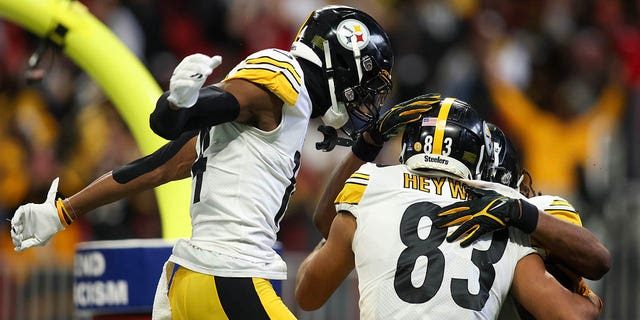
<point x="214" y="106"/>
<point x="146" y="164"/>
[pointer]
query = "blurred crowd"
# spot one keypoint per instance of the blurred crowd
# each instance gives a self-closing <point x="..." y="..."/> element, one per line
<point x="561" y="78"/>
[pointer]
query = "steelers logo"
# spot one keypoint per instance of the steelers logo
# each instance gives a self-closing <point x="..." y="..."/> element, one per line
<point x="417" y="146"/>
<point x="353" y="30"/>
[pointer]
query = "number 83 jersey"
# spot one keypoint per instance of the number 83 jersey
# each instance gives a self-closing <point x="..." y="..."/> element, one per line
<point x="406" y="269"/>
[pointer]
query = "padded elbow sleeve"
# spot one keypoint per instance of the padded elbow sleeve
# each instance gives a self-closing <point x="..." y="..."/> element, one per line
<point x="214" y="106"/>
<point x="150" y="162"/>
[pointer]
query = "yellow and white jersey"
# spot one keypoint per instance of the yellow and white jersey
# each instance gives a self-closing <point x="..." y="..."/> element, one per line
<point x="243" y="178"/>
<point x="559" y="208"/>
<point x="406" y="269"/>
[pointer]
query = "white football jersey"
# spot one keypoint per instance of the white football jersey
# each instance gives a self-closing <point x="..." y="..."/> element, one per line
<point x="243" y="178"/>
<point x="559" y="208"/>
<point x="406" y="269"/>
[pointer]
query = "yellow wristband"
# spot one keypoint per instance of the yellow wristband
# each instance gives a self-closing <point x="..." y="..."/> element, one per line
<point x="63" y="214"/>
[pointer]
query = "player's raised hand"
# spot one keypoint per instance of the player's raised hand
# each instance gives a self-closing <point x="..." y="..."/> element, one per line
<point x="401" y="115"/>
<point x="34" y="224"/>
<point x="188" y="78"/>
<point x="488" y="211"/>
<point x="390" y="124"/>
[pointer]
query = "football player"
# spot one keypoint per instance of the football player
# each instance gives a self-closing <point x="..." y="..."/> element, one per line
<point x="240" y="140"/>
<point x="406" y="270"/>
<point x="559" y="228"/>
<point x="570" y="251"/>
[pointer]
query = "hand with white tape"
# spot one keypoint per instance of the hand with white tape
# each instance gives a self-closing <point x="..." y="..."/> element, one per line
<point x="188" y="78"/>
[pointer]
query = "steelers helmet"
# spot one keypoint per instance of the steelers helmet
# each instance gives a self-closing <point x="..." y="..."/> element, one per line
<point x="355" y="54"/>
<point x="506" y="167"/>
<point x="450" y="138"/>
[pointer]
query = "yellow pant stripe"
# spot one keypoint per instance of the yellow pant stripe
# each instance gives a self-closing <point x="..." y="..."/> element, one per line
<point x="271" y="301"/>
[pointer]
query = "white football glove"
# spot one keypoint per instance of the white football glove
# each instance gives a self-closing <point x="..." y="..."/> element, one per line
<point x="34" y="224"/>
<point x="188" y="78"/>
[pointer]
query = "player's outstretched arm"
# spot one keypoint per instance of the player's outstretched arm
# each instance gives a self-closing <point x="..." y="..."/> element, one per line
<point x="573" y="245"/>
<point x="34" y="224"/>
<point x="545" y="298"/>
<point x="188" y="106"/>
<point x="171" y="162"/>
<point x="214" y="106"/>
<point x="568" y="243"/>
<point x="487" y="212"/>
<point x="320" y="274"/>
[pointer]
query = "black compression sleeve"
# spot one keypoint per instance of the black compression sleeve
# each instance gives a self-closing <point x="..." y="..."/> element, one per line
<point x="214" y="106"/>
<point x="150" y="162"/>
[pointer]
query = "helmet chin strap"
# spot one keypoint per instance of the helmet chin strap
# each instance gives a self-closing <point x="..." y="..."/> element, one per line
<point x="479" y="165"/>
<point x="336" y="116"/>
<point x="519" y="182"/>
<point x="401" y="158"/>
<point x="356" y="56"/>
<point x="496" y="156"/>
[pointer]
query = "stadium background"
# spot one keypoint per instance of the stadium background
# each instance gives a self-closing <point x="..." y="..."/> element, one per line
<point x="574" y="73"/>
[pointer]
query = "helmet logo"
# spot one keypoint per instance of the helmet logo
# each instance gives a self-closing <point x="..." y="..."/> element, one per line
<point x="417" y="146"/>
<point x="353" y="29"/>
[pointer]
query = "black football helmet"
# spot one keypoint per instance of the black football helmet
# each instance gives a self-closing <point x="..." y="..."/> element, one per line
<point x="355" y="53"/>
<point x="506" y="167"/>
<point x="452" y="138"/>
